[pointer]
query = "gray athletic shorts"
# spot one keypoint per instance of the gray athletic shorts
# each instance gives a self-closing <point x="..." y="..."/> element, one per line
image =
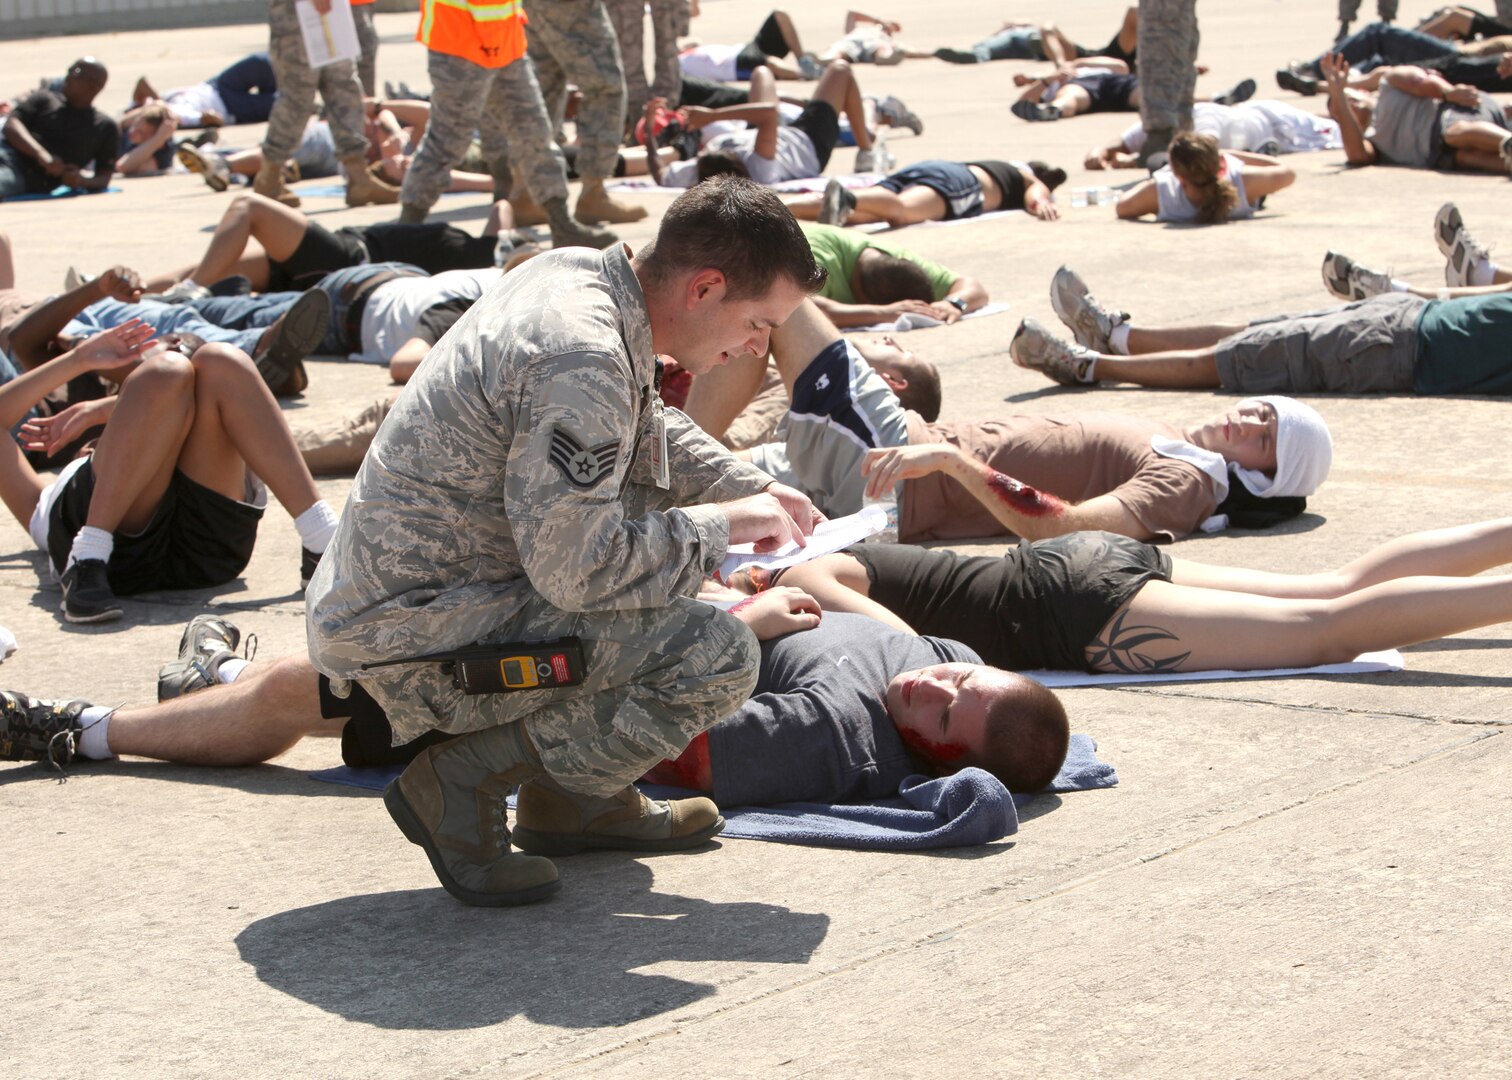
<point x="1368" y="347"/>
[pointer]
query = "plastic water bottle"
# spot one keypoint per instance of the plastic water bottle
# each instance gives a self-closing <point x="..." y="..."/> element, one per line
<point x="889" y="507"/>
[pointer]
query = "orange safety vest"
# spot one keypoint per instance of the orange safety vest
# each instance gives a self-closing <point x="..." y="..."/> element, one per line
<point x="490" y="33"/>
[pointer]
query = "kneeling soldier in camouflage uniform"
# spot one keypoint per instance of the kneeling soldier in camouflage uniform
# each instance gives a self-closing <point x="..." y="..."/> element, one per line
<point x="528" y="485"/>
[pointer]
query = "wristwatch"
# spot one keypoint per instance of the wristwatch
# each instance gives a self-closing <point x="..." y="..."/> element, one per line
<point x="957" y="303"/>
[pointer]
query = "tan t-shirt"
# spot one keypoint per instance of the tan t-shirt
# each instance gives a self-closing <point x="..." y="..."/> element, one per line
<point x="15" y="303"/>
<point x="1077" y="458"/>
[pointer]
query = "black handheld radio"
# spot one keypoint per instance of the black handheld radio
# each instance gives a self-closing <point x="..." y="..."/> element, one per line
<point x="505" y="668"/>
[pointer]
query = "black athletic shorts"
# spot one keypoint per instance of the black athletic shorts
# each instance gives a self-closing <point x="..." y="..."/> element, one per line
<point x="767" y="42"/>
<point x="821" y="123"/>
<point x="1037" y="607"/>
<point x="321" y="252"/>
<point x="1109" y="92"/>
<point x="950" y="180"/>
<point x="433" y="246"/>
<point x="196" y="539"/>
<point x="711" y="94"/>
<point x="367" y="739"/>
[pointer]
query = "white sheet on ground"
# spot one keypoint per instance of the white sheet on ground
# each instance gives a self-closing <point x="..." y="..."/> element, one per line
<point x="923" y="322"/>
<point x="1365" y="663"/>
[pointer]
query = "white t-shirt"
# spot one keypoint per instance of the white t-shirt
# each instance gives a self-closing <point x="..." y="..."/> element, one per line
<point x="1250" y="125"/>
<point x="393" y="311"/>
<point x="1175" y="206"/>
<point x="716" y="62"/>
<point x="190" y="103"/>
<point x="795" y="158"/>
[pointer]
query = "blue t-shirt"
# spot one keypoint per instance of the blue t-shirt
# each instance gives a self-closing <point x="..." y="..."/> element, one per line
<point x="1465" y="346"/>
<point x="817" y="729"/>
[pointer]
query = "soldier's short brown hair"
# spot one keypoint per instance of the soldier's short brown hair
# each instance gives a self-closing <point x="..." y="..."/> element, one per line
<point x="739" y="228"/>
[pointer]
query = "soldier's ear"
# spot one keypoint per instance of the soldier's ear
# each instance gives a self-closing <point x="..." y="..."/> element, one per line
<point x="706" y="285"/>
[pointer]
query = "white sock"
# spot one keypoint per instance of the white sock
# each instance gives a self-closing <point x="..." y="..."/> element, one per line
<point x="316" y="526"/>
<point x="1483" y="272"/>
<point x="1118" y="340"/>
<point x="230" y="669"/>
<point x="1398" y="285"/>
<point x="90" y="543"/>
<point x="94" y="740"/>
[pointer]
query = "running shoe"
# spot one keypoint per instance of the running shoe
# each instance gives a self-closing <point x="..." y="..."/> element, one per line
<point x="1037" y="349"/>
<point x="207" y="643"/>
<point x="1348" y="280"/>
<point x="1088" y="321"/>
<point x="35" y="730"/>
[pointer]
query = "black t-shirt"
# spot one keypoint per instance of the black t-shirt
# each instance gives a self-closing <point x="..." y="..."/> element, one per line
<point x="1035" y="608"/>
<point x="817" y="729"/>
<point x="78" y="136"/>
<point x="435" y="321"/>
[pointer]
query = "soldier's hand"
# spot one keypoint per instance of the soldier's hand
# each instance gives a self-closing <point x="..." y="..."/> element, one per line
<point x="762" y="520"/>
<point x="783" y="610"/>
<point x="798" y="505"/>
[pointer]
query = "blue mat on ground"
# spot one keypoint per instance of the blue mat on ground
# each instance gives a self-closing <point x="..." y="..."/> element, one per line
<point x="62" y="191"/>
<point x="969" y="807"/>
<point x="338" y="191"/>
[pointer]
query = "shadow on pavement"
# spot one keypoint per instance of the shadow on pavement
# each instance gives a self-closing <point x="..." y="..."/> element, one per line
<point x="417" y="959"/>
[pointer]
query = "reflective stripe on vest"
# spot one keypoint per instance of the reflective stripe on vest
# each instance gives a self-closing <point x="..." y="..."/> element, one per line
<point x="489" y="34"/>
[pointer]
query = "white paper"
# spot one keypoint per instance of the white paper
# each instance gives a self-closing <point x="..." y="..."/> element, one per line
<point x="330" y="38"/>
<point x="828" y="538"/>
<point x="1387" y="660"/>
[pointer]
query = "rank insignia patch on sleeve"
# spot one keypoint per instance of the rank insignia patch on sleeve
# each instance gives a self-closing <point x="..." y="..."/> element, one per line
<point x="583" y="466"/>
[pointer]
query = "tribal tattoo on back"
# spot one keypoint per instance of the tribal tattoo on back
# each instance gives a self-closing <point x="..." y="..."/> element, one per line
<point x="1116" y="649"/>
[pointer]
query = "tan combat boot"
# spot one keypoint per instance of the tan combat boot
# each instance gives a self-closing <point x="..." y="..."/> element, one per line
<point x="527" y="211"/>
<point x="363" y="187"/>
<point x="450" y="801"/>
<point x="596" y="205"/>
<point x="568" y="232"/>
<point x="269" y="183"/>
<point x="550" y="820"/>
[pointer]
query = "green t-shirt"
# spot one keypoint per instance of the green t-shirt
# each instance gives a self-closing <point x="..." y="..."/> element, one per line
<point x="1465" y="346"/>
<point x="838" y="250"/>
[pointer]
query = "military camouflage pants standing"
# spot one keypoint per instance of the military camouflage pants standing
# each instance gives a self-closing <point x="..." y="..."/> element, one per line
<point x="1167" y="68"/>
<point x="573" y="40"/>
<point x="1387" y="9"/>
<point x="669" y="18"/>
<point x="504" y="106"/>
<point x="367" y="39"/>
<point x="297" y="83"/>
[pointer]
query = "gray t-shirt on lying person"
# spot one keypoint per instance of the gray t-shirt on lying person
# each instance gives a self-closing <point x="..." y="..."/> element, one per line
<point x="817" y="729"/>
<point x="795" y="158"/>
<point x="1404" y="127"/>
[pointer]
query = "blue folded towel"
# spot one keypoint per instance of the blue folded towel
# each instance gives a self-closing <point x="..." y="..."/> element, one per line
<point x="968" y="807"/>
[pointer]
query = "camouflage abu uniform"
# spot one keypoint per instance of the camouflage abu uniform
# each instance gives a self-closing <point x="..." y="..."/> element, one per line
<point x="669" y="19"/>
<point x="297" y="83"/>
<point x="1168" y="41"/>
<point x="573" y="40"/>
<point x="467" y="98"/>
<point x="511" y="496"/>
<point x="367" y="41"/>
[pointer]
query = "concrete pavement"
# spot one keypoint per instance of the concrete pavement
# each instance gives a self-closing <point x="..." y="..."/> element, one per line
<point x="1301" y="878"/>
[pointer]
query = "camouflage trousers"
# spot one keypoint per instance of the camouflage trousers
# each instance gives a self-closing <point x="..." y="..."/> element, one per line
<point x="504" y="106"/>
<point x="297" y="83"/>
<point x="656" y="677"/>
<point x="1168" y="40"/>
<point x="1348" y="9"/>
<point x="669" y="18"/>
<point x="1504" y="11"/>
<point x="573" y="41"/>
<point x="367" y="39"/>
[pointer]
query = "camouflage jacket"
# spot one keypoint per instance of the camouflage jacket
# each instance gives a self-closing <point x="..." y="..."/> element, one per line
<point x="520" y="463"/>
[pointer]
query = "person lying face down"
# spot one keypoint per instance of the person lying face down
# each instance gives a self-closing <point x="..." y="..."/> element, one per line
<point x="844" y="709"/>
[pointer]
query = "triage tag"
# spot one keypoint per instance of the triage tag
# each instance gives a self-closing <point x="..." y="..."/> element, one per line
<point x="659" y="447"/>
